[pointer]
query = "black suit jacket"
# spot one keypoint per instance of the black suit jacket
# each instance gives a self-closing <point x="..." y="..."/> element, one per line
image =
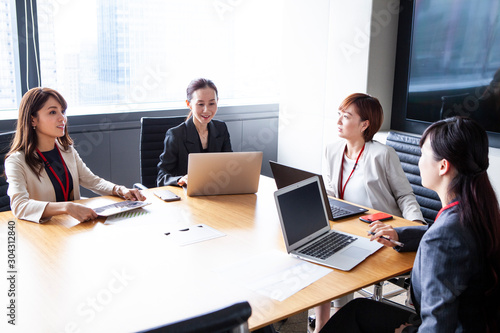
<point x="182" y="140"/>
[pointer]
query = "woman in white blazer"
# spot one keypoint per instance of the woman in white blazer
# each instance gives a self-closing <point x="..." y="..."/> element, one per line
<point x="43" y="169"/>
<point x="363" y="171"/>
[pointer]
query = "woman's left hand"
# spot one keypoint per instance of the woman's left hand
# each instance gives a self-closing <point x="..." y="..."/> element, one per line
<point x="130" y="193"/>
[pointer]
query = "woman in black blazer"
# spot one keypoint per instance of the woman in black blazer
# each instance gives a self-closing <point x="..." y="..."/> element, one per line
<point x="198" y="134"/>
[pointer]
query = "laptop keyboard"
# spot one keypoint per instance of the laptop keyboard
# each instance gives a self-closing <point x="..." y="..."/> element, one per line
<point x="339" y="212"/>
<point x="328" y="245"/>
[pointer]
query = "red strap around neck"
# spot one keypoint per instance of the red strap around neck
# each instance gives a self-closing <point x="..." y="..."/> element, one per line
<point x="66" y="173"/>
<point x="454" y="203"/>
<point x="342" y="188"/>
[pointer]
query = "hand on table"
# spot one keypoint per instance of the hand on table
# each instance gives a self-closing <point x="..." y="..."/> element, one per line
<point x="382" y="229"/>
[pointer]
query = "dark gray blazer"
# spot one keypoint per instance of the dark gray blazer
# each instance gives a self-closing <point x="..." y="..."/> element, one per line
<point x="182" y="140"/>
<point x="447" y="282"/>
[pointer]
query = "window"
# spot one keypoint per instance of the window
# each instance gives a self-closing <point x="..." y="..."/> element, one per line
<point x="119" y="55"/>
<point x="8" y="71"/>
<point x="448" y="63"/>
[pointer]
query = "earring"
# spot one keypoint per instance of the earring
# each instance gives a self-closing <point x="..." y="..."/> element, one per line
<point x="34" y="127"/>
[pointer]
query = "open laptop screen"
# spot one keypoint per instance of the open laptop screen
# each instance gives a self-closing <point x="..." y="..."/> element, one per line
<point x="302" y="211"/>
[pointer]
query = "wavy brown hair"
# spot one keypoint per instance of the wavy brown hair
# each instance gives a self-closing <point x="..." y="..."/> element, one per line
<point x="25" y="139"/>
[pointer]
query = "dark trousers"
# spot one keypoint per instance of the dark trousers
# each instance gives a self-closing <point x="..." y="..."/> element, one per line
<point x="366" y="315"/>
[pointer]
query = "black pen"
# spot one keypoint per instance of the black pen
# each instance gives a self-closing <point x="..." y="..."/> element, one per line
<point x="388" y="239"/>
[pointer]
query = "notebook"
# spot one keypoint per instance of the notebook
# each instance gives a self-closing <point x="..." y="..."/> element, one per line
<point x="306" y="229"/>
<point x="285" y="175"/>
<point x="223" y="173"/>
<point x="119" y="207"/>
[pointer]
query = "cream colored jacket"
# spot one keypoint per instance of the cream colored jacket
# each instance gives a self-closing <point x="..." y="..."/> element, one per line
<point x="386" y="184"/>
<point x="29" y="194"/>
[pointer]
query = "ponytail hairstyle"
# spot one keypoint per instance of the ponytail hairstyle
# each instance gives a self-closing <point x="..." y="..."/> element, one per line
<point x="25" y="139"/>
<point x="464" y="143"/>
<point x="196" y="84"/>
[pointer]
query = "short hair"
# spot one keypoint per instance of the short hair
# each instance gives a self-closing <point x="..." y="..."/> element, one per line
<point x="368" y="108"/>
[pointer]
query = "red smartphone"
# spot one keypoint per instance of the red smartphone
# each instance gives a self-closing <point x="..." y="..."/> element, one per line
<point x="375" y="217"/>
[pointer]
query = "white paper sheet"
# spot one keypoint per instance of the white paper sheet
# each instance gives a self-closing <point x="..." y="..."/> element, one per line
<point x="193" y="234"/>
<point x="274" y="274"/>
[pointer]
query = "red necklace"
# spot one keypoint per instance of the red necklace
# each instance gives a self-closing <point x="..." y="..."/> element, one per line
<point x="66" y="173"/>
<point x="342" y="189"/>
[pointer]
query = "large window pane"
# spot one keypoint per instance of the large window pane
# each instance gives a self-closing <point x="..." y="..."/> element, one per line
<point x="455" y="61"/>
<point x="8" y="77"/>
<point x="124" y="54"/>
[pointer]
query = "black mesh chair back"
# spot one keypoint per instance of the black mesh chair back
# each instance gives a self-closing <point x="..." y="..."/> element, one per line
<point x="230" y="319"/>
<point x="153" y="131"/>
<point x="408" y="149"/>
<point x="5" y="140"/>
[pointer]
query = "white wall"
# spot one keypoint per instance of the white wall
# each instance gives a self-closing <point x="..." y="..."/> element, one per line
<point x="331" y="49"/>
<point x="305" y="49"/>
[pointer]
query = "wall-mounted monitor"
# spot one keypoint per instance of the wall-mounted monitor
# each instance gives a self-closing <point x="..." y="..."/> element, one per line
<point x="447" y="63"/>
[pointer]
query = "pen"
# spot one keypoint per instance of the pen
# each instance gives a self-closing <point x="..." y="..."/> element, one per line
<point x="388" y="239"/>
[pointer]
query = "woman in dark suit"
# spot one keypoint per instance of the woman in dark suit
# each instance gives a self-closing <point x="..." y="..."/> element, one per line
<point x="199" y="133"/>
<point x="455" y="278"/>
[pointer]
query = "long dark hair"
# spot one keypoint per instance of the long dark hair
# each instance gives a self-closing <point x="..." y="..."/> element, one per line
<point x="199" y="84"/>
<point x="464" y="143"/>
<point x="25" y="138"/>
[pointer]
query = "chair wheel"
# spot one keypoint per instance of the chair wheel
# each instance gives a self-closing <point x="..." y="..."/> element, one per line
<point x="312" y="321"/>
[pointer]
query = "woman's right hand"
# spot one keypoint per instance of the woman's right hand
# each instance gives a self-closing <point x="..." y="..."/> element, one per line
<point x="183" y="181"/>
<point x="382" y="229"/>
<point x="80" y="212"/>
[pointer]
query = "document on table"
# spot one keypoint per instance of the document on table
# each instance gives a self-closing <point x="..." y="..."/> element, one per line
<point x="274" y="274"/>
<point x="193" y="234"/>
<point x="131" y="215"/>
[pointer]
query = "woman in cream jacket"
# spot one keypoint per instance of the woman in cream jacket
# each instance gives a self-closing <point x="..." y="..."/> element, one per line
<point x="364" y="171"/>
<point x="43" y="169"/>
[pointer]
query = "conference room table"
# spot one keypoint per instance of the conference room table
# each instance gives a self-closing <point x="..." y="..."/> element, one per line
<point x="129" y="275"/>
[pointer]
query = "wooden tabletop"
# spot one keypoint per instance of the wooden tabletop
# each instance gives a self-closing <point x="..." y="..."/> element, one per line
<point x="94" y="277"/>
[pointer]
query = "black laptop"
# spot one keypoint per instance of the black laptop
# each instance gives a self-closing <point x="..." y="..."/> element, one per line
<point x="285" y="175"/>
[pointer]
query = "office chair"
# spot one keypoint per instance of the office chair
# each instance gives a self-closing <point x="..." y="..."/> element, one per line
<point x="5" y="141"/>
<point x="153" y="131"/>
<point x="231" y="319"/>
<point x="408" y="150"/>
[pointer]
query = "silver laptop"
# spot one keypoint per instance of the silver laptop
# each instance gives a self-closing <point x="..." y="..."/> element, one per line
<point x="285" y="175"/>
<point x="223" y="173"/>
<point x="307" y="232"/>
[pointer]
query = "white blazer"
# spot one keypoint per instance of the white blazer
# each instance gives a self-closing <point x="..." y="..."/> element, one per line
<point x="386" y="184"/>
<point x="29" y="194"/>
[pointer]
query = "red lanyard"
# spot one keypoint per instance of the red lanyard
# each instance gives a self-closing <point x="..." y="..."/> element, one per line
<point x="445" y="208"/>
<point x="342" y="189"/>
<point x="66" y="173"/>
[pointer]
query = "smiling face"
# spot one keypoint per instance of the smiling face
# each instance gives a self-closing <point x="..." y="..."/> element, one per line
<point x="203" y="105"/>
<point x="50" y="121"/>
<point x="349" y="124"/>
